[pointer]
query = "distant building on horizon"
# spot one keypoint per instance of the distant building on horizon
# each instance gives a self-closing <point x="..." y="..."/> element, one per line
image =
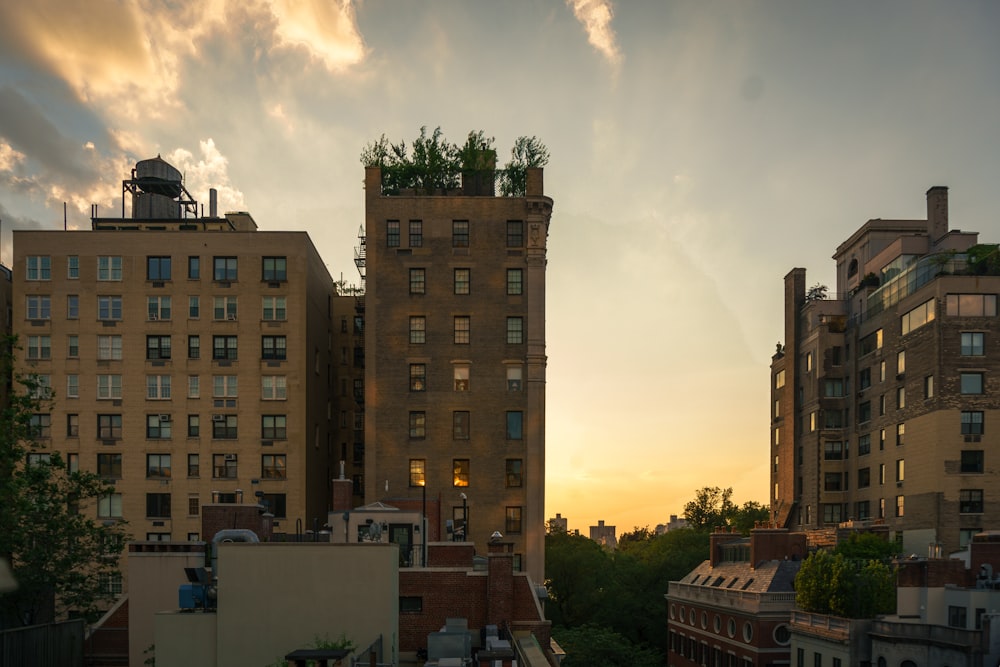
<point x="885" y="389"/>
<point x="558" y="523"/>
<point x="604" y="535"/>
<point x="673" y="524"/>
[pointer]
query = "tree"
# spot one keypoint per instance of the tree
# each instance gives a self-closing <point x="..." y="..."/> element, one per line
<point x="595" y="645"/>
<point x="831" y="583"/>
<point x="527" y="152"/>
<point x="713" y="506"/>
<point x="62" y="559"/>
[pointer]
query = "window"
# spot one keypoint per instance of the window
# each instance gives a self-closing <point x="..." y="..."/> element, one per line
<point x="158" y="308"/>
<point x="463" y="281"/>
<point x="418" y="377"/>
<point x="194" y="268"/>
<point x="513" y="520"/>
<point x="514" y="422"/>
<point x="224" y="466"/>
<point x="972" y="344"/>
<point x="461" y="377"/>
<point x="224" y="386"/>
<point x="809" y="362"/>
<point x="274" y="308"/>
<point x="900" y="398"/>
<point x="109" y="466"/>
<point x="224" y="427"/>
<point x="900" y="470"/>
<point x="514" y="475"/>
<point x="416" y="233"/>
<point x="194" y="386"/>
<point x="871" y="342"/>
<point x="194" y="347"/>
<point x="109" y="307"/>
<point x="515" y="330"/>
<point x="460" y="424"/>
<point x="272" y="347"/>
<point x="418" y="472"/>
<point x="460" y="472"/>
<point x="273" y="427"/>
<point x="224" y="269"/>
<point x="833" y="451"/>
<point x="418" y="421"/>
<point x="833" y="513"/>
<point x="864" y="378"/>
<point x="462" y="329"/>
<point x="864" y="444"/>
<point x="901" y="362"/>
<point x="158" y="427"/>
<point x="109" y="347"/>
<point x="881" y="474"/>
<point x="515" y="234"/>
<point x="73" y="386"/>
<point x="224" y="308"/>
<point x="970" y="501"/>
<point x="272" y="387"/>
<point x="417" y="281"/>
<point x="158" y="505"/>
<point x="831" y="482"/>
<point x="957" y="616"/>
<point x="972" y="461"/>
<point x="38" y="307"/>
<point x="157" y="347"/>
<point x="73" y="345"/>
<point x="418" y="329"/>
<point x="109" y="427"/>
<point x="917" y="317"/>
<point x="39" y="347"/>
<point x="863" y="510"/>
<point x="72" y="426"/>
<point x="515" y="282"/>
<point x="110" y="507"/>
<point x="972" y="423"/>
<point x="194" y="465"/>
<point x="392" y="233"/>
<point x="224" y="347"/>
<point x="157" y="268"/>
<point x="275" y="504"/>
<point x="881" y="404"/>
<point x="272" y="466"/>
<point x="929" y="386"/>
<point x="864" y="478"/>
<point x="864" y="412"/>
<point x="900" y="434"/>
<point x="275" y="269"/>
<point x="109" y="268"/>
<point x="73" y="267"/>
<point x="41" y="388"/>
<point x="157" y="465"/>
<point x="513" y="378"/>
<point x="72" y="307"/>
<point x="158" y="387"/>
<point x="460" y="234"/>
<point x="971" y="383"/>
<point x="411" y="604"/>
<point x="779" y="379"/>
<point x="109" y="387"/>
<point x="194" y="426"/>
<point x="971" y="305"/>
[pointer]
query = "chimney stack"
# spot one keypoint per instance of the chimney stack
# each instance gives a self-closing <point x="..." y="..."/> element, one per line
<point x="937" y="213"/>
<point x="213" y="203"/>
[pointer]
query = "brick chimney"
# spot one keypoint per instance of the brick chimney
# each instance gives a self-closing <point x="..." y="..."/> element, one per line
<point x="937" y="213"/>
<point x="768" y="542"/>
<point x="721" y="535"/>
<point x="343" y="492"/>
<point x="500" y="589"/>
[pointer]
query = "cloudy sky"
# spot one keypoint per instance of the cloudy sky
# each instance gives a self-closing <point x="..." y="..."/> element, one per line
<point x="700" y="150"/>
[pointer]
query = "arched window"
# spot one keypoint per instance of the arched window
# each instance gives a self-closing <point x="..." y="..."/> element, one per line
<point x="852" y="268"/>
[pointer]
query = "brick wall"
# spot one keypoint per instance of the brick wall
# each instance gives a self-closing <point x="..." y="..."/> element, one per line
<point x="221" y="516"/>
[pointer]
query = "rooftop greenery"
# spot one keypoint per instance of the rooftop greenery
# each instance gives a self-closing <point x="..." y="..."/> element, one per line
<point x="431" y="164"/>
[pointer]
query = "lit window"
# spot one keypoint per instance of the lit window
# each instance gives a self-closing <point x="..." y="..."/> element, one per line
<point x="418" y="472"/>
<point x="418" y="377"/>
<point x="224" y="466"/>
<point x="460" y="470"/>
<point x="900" y="397"/>
<point x="900" y="434"/>
<point x="461" y="377"/>
<point x="929" y="386"/>
<point x="900" y="470"/>
<point x="513" y="378"/>
<point x="901" y="361"/>
<point x="158" y="465"/>
<point x="917" y="317"/>
<point x="272" y="466"/>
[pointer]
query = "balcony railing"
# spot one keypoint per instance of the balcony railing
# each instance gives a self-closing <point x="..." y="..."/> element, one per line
<point x="744" y="600"/>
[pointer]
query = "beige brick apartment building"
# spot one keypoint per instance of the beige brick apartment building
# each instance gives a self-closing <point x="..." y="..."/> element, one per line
<point x="189" y="360"/>
<point x="455" y="370"/>
<point x="886" y="393"/>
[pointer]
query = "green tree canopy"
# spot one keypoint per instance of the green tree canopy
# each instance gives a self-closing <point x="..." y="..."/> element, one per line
<point x="831" y="583"/>
<point x="712" y="506"/>
<point x="62" y="560"/>
<point x="589" y="645"/>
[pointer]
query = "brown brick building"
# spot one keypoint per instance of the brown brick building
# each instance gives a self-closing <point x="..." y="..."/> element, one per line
<point x="884" y="391"/>
<point x="455" y="369"/>
<point x="189" y="360"/>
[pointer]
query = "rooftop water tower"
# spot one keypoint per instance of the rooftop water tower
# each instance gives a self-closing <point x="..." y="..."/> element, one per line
<point x="158" y="192"/>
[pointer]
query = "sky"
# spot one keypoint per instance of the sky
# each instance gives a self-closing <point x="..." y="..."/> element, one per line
<point x="699" y="151"/>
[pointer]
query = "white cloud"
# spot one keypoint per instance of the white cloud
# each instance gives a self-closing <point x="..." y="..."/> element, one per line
<point x="210" y="170"/>
<point x="596" y="15"/>
<point x="10" y="157"/>
<point x="329" y="30"/>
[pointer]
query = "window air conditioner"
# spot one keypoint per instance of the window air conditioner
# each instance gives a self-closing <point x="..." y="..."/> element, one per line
<point x="230" y="457"/>
<point x="231" y="317"/>
<point x="152" y="317"/>
<point x="164" y="418"/>
<point x="218" y="418"/>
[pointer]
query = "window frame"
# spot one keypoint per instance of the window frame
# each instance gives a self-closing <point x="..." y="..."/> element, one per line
<point x="225" y="268"/>
<point x="277" y="272"/>
<point x="158" y="268"/>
